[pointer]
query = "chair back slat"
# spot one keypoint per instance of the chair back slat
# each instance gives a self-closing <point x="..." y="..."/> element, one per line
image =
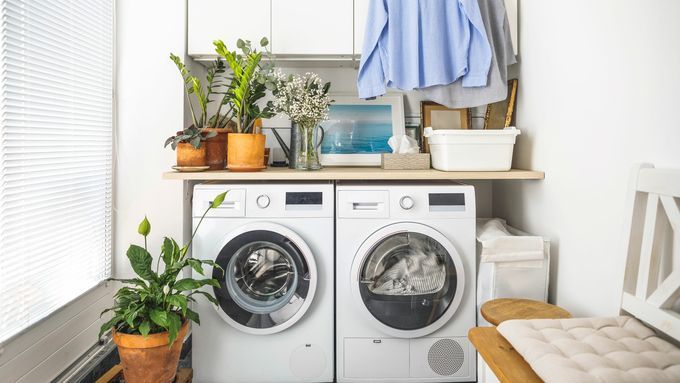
<point x="651" y="288"/>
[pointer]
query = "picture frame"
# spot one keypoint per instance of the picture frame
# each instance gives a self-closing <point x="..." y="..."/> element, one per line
<point x="413" y="129"/>
<point x="357" y="130"/>
<point x="441" y="117"/>
<point x="501" y="114"/>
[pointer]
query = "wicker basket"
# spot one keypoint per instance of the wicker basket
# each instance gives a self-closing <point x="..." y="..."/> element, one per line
<point x="416" y="161"/>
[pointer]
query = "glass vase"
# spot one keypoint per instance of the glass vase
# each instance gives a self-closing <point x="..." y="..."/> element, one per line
<point x="307" y="156"/>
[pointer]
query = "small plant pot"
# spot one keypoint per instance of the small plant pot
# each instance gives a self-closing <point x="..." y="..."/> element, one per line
<point x="149" y="359"/>
<point x="245" y="152"/>
<point x="216" y="149"/>
<point x="187" y="155"/>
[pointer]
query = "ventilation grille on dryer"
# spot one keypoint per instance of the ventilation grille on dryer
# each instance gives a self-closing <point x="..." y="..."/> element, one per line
<point x="446" y="357"/>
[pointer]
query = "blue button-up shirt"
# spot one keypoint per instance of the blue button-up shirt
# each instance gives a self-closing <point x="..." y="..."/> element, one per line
<point x="413" y="44"/>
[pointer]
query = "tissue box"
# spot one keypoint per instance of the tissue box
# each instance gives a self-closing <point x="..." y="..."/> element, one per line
<point x="415" y="161"/>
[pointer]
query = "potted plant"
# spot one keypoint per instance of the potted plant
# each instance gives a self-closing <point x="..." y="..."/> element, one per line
<point x="304" y="99"/>
<point x="151" y="314"/>
<point x="206" y="138"/>
<point x="250" y="81"/>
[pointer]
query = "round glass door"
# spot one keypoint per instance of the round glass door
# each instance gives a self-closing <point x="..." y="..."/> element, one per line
<point x="268" y="280"/>
<point x="409" y="279"/>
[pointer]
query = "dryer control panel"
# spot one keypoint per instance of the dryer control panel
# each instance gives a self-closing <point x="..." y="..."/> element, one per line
<point x="403" y="201"/>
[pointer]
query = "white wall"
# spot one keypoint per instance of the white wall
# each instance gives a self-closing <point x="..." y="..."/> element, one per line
<point x="150" y="107"/>
<point x="598" y="92"/>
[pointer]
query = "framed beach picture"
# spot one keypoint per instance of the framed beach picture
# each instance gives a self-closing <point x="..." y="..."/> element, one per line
<point x="357" y="130"/>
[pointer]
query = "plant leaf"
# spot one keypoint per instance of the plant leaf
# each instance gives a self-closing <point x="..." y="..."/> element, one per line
<point x="168" y="251"/>
<point x="174" y="323"/>
<point x="159" y="317"/>
<point x="196" y="265"/>
<point x="207" y="296"/>
<point x="186" y="284"/>
<point x="113" y="322"/>
<point x="196" y="142"/>
<point x="217" y="201"/>
<point x="193" y="316"/>
<point x="144" y="328"/>
<point x="178" y="300"/>
<point x="140" y="260"/>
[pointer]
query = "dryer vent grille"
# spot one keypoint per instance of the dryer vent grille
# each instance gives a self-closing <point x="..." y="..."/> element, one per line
<point x="446" y="357"/>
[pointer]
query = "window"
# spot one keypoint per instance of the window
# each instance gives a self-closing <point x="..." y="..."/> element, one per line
<point x="56" y="137"/>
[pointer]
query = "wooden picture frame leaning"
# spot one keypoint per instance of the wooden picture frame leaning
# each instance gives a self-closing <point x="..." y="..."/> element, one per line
<point x="447" y="119"/>
<point x="501" y="114"/>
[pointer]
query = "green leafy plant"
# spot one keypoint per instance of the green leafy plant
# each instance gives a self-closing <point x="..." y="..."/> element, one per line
<point x="251" y="78"/>
<point x="191" y="135"/>
<point x="216" y="89"/>
<point x="155" y="301"/>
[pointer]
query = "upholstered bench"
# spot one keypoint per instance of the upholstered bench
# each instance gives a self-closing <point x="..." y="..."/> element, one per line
<point x="501" y="357"/>
<point x="608" y="350"/>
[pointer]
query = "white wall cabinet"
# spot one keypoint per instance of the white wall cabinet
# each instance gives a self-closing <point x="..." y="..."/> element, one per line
<point x="312" y="27"/>
<point x="360" y="14"/>
<point x="227" y="20"/>
<point x="305" y="29"/>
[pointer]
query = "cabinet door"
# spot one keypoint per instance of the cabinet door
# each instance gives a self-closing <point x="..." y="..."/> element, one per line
<point x="312" y="27"/>
<point x="360" y="14"/>
<point x="227" y="20"/>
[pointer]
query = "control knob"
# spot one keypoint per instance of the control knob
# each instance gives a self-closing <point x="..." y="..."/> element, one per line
<point x="406" y="203"/>
<point x="263" y="201"/>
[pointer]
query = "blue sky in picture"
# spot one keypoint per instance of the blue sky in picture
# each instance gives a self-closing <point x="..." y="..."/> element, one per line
<point x="353" y="129"/>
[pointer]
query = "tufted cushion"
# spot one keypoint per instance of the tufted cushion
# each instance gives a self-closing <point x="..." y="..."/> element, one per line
<point x="598" y="350"/>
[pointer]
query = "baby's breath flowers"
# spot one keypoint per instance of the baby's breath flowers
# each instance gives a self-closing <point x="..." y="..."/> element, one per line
<point x="304" y="98"/>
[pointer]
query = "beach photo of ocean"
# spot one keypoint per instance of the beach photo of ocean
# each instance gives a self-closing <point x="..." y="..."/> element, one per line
<point x="357" y="129"/>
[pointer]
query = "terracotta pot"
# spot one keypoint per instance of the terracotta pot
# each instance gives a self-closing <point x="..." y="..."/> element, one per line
<point x="149" y="359"/>
<point x="216" y="149"/>
<point x="187" y="155"/>
<point x="245" y="152"/>
<point x="267" y="153"/>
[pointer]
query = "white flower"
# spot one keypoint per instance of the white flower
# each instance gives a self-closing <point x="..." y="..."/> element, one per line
<point x="166" y="289"/>
<point x="301" y="97"/>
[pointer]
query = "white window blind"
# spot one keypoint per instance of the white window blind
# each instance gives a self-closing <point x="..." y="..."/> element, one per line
<point x="56" y="129"/>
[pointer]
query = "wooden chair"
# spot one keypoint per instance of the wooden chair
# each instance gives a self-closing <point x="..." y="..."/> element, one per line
<point x="652" y="278"/>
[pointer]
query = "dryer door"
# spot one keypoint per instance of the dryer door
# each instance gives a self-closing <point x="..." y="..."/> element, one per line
<point x="407" y="279"/>
<point x="269" y="278"/>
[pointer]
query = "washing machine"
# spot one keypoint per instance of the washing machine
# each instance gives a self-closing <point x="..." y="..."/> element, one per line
<point x="274" y="321"/>
<point x="405" y="282"/>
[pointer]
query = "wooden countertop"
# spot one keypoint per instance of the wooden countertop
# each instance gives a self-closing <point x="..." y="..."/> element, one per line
<point x="351" y="173"/>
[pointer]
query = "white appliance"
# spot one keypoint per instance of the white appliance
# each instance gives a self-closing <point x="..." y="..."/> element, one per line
<point x="274" y="322"/>
<point x="405" y="282"/>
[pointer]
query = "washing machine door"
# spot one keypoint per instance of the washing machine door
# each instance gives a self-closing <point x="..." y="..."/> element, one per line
<point x="269" y="278"/>
<point x="407" y="279"/>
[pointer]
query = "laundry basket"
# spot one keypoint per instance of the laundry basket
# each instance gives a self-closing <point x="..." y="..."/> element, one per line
<point x="511" y="264"/>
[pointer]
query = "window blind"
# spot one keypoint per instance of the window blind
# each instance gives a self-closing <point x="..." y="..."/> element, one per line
<point x="56" y="137"/>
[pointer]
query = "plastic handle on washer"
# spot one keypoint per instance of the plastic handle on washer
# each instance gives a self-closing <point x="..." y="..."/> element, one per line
<point x="366" y="205"/>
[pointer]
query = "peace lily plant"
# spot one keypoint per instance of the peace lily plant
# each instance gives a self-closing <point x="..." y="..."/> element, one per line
<point x="156" y="303"/>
